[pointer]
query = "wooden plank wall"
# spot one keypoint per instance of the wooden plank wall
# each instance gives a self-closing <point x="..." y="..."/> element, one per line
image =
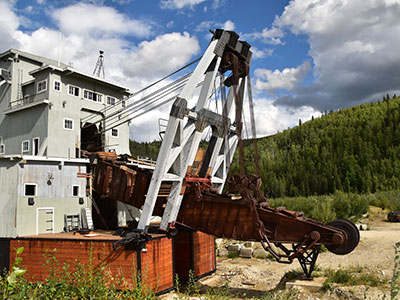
<point x="157" y="267"/>
<point x="194" y="250"/>
<point x="156" y="264"/>
<point x="203" y="254"/>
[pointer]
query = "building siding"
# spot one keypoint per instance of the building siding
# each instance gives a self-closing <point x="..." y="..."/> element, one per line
<point x="8" y="196"/>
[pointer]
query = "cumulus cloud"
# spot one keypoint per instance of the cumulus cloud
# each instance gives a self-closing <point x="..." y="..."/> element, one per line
<point x="257" y="53"/>
<point x="287" y="79"/>
<point x="207" y="25"/>
<point x="98" y="20"/>
<point x="271" y="118"/>
<point x="179" y="4"/>
<point x="162" y="55"/>
<point x="9" y="23"/>
<point x="272" y="36"/>
<point x="354" y="47"/>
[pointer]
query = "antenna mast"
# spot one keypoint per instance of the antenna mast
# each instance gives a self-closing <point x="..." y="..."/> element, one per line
<point x="99" y="68"/>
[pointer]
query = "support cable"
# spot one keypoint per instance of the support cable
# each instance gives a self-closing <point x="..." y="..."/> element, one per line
<point x="146" y="107"/>
<point x="132" y="106"/>
<point x="87" y="118"/>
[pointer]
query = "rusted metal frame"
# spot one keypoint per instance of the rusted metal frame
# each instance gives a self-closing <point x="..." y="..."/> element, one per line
<point x="307" y="260"/>
<point x="130" y="185"/>
<point x="221" y="220"/>
<point x="106" y="183"/>
<point x="290" y="256"/>
<point x="117" y="175"/>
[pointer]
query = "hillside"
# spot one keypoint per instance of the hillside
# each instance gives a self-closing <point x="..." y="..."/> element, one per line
<point x="352" y="150"/>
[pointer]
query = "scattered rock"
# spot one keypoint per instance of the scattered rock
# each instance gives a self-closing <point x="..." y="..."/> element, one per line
<point x="260" y="253"/>
<point x="234" y="249"/>
<point x="249" y="244"/>
<point x="248" y="283"/>
<point x="246" y="252"/>
<point x="362" y="226"/>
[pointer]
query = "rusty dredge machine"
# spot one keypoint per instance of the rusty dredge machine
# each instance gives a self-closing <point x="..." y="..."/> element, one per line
<point x="186" y="187"/>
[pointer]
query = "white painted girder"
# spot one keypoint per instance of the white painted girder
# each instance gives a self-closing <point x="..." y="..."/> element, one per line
<point x="183" y="135"/>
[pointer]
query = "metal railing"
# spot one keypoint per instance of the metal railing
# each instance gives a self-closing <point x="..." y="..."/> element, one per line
<point x="24" y="101"/>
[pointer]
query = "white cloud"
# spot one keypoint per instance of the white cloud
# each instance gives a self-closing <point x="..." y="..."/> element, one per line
<point x="287" y="79"/>
<point x="9" y="23"/>
<point x="271" y="118"/>
<point x="257" y="53"/>
<point x="179" y="4"/>
<point x="271" y="36"/>
<point x="98" y="20"/>
<point x="207" y="25"/>
<point x="229" y="25"/>
<point x="162" y="55"/>
<point x="354" y="46"/>
<point x="218" y="3"/>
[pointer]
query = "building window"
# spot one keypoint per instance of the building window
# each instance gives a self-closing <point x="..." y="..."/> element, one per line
<point x="30" y="189"/>
<point x="57" y="86"/>
<point x="110" y="100"/>
<point x="42" y="86"/>
<point x="92" y="96"/>
<point x="2" y="147"/>
<point x="25" y="146"/>
<point x="27" y="99"/>
<point x="123" y="104"/>
<point x="114" y="132"/>
<point x="73" y="91"/>
<point x="75" y="190"/>
<point x="68" y="124"/>
<point x="35" y="146"/>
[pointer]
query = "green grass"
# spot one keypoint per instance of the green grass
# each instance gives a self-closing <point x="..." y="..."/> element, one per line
<point x="352" y="276"/>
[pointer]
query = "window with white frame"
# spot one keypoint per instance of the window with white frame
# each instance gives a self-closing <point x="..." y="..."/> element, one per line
<point x="30" y="189"/>
<point x="123" y="104"/>
<point x="42" y="86"/>
<point x="68" y="124"/>
<point x="92" y="96"/>
<point x="73" y="90"/>
<point x="114" y="132"/>
<point x="110" y="100"/>
<point x="57" y="85"/>
<point x="25" y="146"/>
<point x="75" y="190"/>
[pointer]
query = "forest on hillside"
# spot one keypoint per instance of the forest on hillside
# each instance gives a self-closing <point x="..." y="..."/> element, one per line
<point x="354" y="150"/>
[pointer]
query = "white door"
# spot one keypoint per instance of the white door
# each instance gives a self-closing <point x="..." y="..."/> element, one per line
<point x="45" y="220"/>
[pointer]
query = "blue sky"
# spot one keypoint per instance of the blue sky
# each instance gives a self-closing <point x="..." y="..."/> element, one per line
<point x="310" y="56"/>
